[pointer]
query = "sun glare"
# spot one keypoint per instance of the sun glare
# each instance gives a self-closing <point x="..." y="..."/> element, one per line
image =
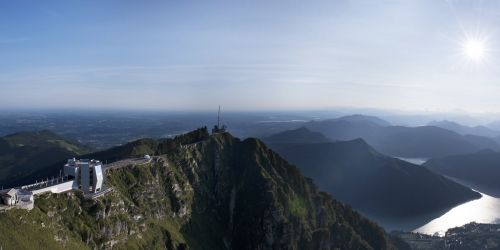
<point x="474" y="49"/>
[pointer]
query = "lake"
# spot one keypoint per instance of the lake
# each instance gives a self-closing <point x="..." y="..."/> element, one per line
<point x="483" y="210"/>
<point x="416" y="161"/>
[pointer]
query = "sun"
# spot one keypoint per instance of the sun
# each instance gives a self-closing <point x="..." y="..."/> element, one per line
<point x="474" y="49"/>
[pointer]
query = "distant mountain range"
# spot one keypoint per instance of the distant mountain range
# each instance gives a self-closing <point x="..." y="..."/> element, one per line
<point x="410" y="142"/>
<point x="355" y="173"/>
<point x="465" y="130"/>
<point x="480" y="168"/>
<point x="364" y="119"/>
<point x="23" y="153"/>
<point x="494" y="125"/>
<point x="297" y="136"/>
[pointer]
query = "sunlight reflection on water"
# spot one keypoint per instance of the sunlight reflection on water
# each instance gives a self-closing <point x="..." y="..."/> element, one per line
<point x="416" y="161"/>
<point x="484" y="210"/>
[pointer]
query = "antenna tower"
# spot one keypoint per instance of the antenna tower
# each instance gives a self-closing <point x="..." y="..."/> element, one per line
<point x="218" y="118"/>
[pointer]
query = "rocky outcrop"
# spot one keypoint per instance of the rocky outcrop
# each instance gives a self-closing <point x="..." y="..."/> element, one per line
<point x="207" y="192"/>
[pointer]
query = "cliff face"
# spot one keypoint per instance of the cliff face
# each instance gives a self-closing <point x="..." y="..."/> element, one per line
<point x="203" y="192"/>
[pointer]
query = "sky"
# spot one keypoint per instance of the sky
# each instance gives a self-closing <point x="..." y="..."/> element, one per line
<point x="249" y="55"/>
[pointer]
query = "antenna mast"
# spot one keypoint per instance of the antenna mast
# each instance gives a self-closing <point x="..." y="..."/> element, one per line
<point x="218" y="118"/>
<point x="219" y="128"/>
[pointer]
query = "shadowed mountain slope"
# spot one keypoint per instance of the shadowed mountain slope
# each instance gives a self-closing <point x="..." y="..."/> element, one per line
<point x="481" y="168"/>
<point x="26" y="152"/>
<point x="200" y="192"/>
<point x="355" y="173"/>
<point x="300" y="135"/>
<point x="411" y="142"/>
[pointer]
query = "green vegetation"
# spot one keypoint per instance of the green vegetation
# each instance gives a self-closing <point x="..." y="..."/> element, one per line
<point x="212" y="192"/>
<point x="24" y="153"/>
<point x="44" y="139"/>
<point x="137" y="148"/>
<point x="298" y="207"/>
<point x="33" y="230"/>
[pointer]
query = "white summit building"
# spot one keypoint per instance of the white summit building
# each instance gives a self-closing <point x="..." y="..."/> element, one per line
<point x="87" y="174"/>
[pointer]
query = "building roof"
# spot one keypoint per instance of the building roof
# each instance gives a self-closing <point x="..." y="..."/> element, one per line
<point x="74" y="163"/>
<point x="24" y="192"/>
<point x="11" y="193"/>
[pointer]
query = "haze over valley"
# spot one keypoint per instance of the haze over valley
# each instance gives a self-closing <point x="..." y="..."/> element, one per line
<point x="322" y="125"/>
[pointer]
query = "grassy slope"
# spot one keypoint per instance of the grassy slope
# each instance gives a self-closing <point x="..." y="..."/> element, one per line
<point x="251" y="199"/>
<point x="23" y="230"/>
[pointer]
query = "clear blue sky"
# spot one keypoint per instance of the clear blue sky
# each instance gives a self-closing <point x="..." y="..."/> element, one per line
<point x="248" y="55"/>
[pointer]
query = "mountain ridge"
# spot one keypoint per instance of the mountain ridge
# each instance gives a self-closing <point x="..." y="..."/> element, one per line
<point x="400" y="141"/>
<point x="299" y="135"/>
<point x="202" y="192"/>
<point x="356" y="173"/>
<point x="23" y="153"/>
<point x="465" y="130"/>
<point x="359" y="118"/>
<point x="480" y="168"/>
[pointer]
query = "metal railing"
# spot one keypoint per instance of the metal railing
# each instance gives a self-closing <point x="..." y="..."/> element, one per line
<point x="44" y="183"/>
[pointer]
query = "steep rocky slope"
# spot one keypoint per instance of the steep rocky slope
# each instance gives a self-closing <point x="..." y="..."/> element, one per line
<point x="199" y="192"/>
